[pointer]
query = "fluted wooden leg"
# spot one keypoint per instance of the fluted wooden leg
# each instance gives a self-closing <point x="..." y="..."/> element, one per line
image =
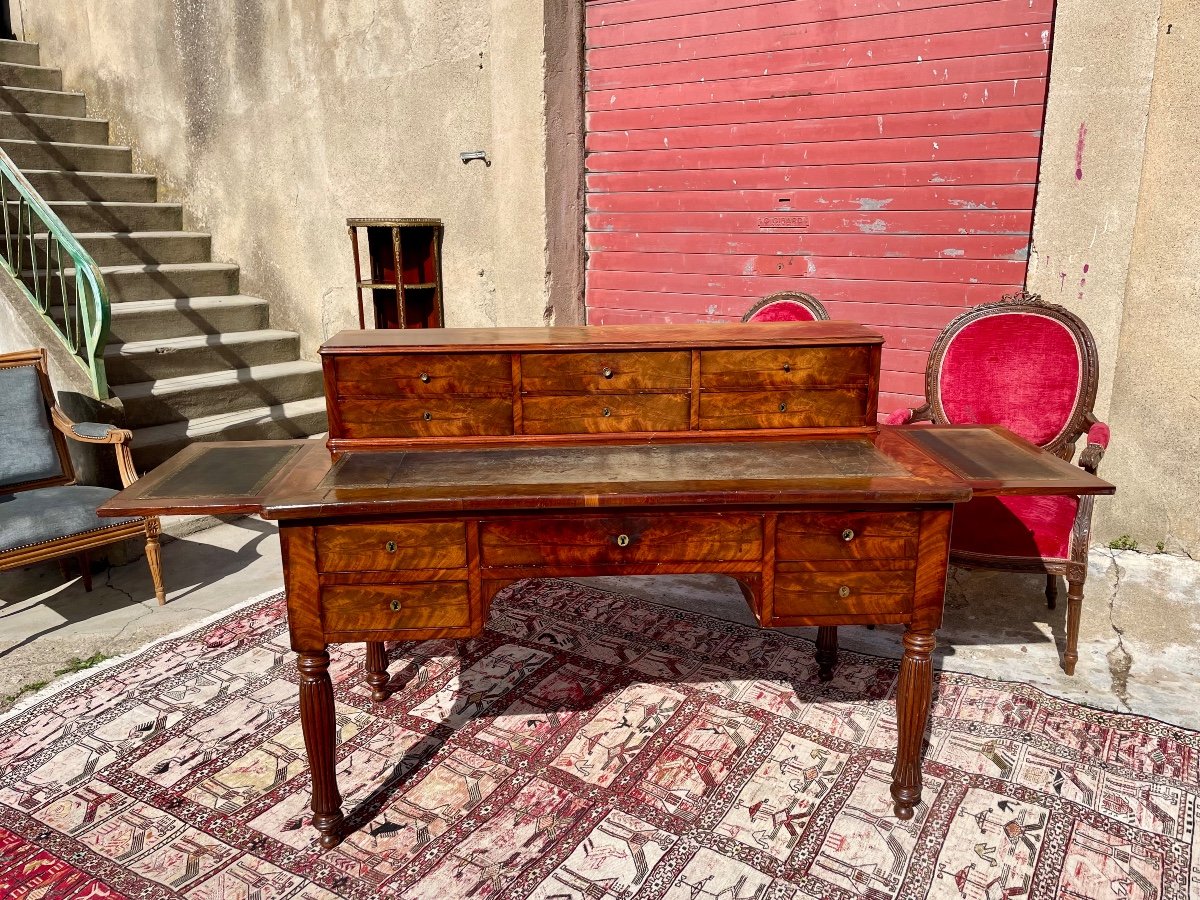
<point x="1074" y="612"/>
<point x="320" y="739"/>
<point x="154" y="559"/>
<point x="913" y="696"/>
<point x="1051" y="591"/>
<point x="827" y="651"/>
<point x="377" y="672"/>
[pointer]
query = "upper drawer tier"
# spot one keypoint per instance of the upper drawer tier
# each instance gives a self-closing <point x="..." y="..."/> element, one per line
<point x="790" y="367"/>
<point x="603" y="373"/>
<point x="386" y="548"/>
<point x="847" y="535"/>
<point x="465" y="374"/>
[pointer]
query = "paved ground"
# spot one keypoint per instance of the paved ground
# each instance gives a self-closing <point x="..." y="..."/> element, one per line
<point x="1139" y="647"/>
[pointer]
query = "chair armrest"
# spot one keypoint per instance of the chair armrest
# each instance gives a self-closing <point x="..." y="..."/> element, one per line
<point x="1097" y="442"/>
<point x="100" y="433"/>
<point x="908" y="416"/>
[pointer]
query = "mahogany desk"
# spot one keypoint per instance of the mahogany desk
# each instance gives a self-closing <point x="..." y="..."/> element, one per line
<point x="824" y="530"/>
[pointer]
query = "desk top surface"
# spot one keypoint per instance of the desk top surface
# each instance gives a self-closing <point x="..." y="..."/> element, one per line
<point x="298" y="479"/>
<point x="601" y="337"/>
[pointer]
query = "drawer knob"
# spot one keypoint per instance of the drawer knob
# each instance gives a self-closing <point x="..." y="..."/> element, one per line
<point x="390" y="546"/>
<point x="787" y="367"/>
<point x="843" y="592"/>
<point x="396" y="606"/>
<point x="427" y="416"/>
<point x="783" y="407"/>
<point x="848" y="534"/>
<point x="622" y="540"/>
<point x="607" y="373"/>
<point x="425" y="378"/>
<point x="607" y="412"/>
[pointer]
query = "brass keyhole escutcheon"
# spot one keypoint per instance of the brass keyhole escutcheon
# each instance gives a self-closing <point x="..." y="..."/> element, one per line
<point x="390" y="546"/>
<point x="395" y="606"/>
<point x="607" y="412"/>
<point x="787" y="367"/>
<point x="622" y="540"/>
<point x="607" y="373"/>
<point x="783" y="407"/>
<point x="427" y="416"/>
<point x="843" y="592"/>
<point x="425" y="378"/>
<point x="848" y="534"/>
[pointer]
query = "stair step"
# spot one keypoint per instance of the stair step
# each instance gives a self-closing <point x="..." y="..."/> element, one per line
<point x="162" y="282"/>
<point x="68" y="157"/>
<point x="84" y="216"/>
<point x="101" y="187"/>
<point x="159" y="320"/>
<point x="36" y="127"/>
<point x="51" y="103"/>
<point x="167" y="400"/>
<point x="299" y="418"/>
<point x="157" y="360"/>
<point x="42" y="78"/>
<point x="23" y="52"/>
<point x="146" y="248"/>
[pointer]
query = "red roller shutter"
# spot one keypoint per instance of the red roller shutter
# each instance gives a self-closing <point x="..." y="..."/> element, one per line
<point x="881" y="155"/>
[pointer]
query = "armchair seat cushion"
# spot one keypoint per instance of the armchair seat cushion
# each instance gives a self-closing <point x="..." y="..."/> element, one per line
<point x="1023" y="527"/>
<point x="45" y="514"/>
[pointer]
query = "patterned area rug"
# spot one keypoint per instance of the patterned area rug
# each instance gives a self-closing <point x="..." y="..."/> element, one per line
<point x="588" y="745"/>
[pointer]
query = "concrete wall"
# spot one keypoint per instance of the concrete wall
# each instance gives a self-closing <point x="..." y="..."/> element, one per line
<point x="1113" y="243"/>
<point x="1155" y="406"/>
<point x="272" y="122"/>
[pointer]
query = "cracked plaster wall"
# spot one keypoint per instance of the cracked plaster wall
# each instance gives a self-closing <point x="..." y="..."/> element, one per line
<point x="274" y="122"/>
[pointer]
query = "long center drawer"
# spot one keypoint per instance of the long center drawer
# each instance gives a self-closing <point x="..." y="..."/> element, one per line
<point x="613" y="540"/>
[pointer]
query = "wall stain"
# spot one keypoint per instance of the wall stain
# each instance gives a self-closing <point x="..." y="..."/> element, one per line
<point x="1079" y="151"/>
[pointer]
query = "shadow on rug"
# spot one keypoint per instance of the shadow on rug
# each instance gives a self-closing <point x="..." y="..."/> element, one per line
<point x="587" y="745"/>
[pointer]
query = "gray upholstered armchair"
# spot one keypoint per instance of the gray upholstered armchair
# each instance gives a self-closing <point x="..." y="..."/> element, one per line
<point x="44" y="514"/>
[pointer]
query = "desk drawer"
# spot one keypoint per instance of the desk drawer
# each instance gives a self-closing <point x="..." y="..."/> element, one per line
<point x="849" y="535"/>
<point x="794" y="367"/>
<point x="391" y="607"/>
<point x="843" y="593"/>
<point x="411" y="417"/>
<point x="605" y="413"/>
<point x="621" y="539"/>
<point x="795" y="408"/>
<point x="605" y="373"/>
<point x="386" y="548"/>
<point x="467" y="374"/>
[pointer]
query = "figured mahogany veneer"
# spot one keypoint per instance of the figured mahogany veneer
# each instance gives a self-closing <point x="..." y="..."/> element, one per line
<point x="746" y="450"/>
<point x="488" y="386"/>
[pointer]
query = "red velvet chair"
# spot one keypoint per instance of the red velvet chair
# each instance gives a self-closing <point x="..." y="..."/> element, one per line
<point x="1030" y="366"/>
<point x="787" y="306"/>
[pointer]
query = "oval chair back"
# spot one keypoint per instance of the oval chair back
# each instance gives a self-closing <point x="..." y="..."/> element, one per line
<point x="1022" y="363"/>
<point x="787" y="306"/>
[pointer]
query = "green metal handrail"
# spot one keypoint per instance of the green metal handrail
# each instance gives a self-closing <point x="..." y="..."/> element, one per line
<point x="34" y="257"/>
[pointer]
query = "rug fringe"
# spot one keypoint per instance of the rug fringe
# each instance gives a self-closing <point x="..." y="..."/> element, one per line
<point x="60" y="684"/>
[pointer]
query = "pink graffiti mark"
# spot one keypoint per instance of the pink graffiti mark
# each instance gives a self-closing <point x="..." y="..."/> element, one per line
<point x="1062" y="281"/>
<point x="1083" y="281"/>
<point x="1079" y="151"/>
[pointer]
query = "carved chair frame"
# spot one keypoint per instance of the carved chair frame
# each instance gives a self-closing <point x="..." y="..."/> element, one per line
<point x="808" y="301"/>
<point x="78" y="545"/>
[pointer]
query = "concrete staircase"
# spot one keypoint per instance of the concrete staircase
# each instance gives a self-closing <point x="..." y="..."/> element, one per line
<point x="191" y="358"/>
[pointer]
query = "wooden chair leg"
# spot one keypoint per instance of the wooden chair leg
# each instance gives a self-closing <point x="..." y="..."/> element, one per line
<point x="153" y="558"/>
<point x="1051" y="591"/>
<point x="85" y="569"/>
<point x="1074" y="612"/>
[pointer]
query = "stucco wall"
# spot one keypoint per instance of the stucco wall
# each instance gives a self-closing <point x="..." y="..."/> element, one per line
<point x="274" y="122"/>
<point x="1155" y="407"/>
